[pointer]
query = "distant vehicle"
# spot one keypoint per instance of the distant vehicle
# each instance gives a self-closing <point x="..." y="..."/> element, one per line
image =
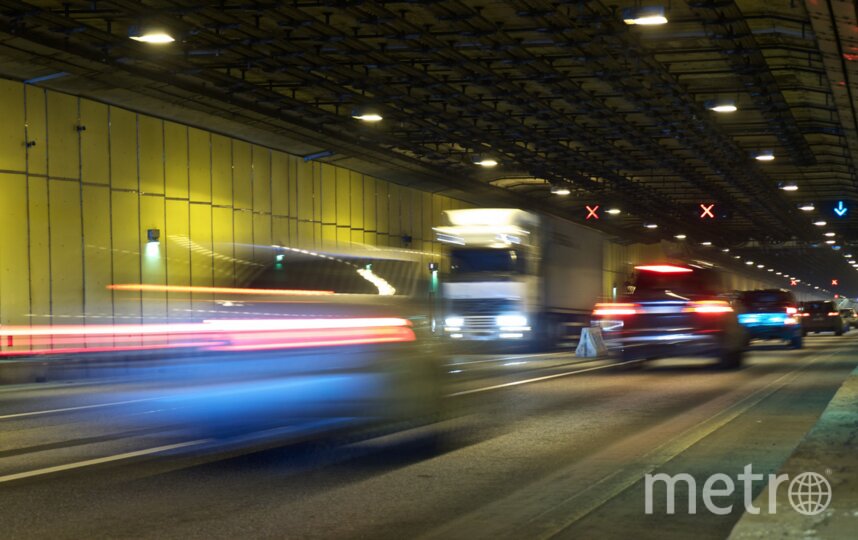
<point x="517" y="276"/>
<point x="673" y="310"/>
<point x="850" y="317"/>
<point x="821" y="316"/>
<point x="770" y="314"/>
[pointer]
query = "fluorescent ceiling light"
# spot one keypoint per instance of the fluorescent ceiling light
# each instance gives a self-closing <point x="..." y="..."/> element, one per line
<point x="721" y="105"/>
<point x="680" y="236"/>
<point x="651" y="225"/>
<point x="153" y="35"/>
<point x="645" y="16"/>
<point x="820" y="223"/>
<point x="749" y="263"/>
<point x="789" y="186"/>
<point x="484" y="161"/>
<point x="707" y="244"/>
<point x="366" y="113"/>
<point x="830" y="242"/>
<point x="725" y="250"/>
<point x="765" y="155"/>
<point x="613" y="211"/>
<point x="557" y="190"/>
<point x="830" y="234"/>
<point x="807" y="207"/>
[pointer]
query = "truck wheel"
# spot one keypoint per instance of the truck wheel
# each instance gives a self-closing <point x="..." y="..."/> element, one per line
<point x="731" y="359"/>
<point x="797" y="342"/>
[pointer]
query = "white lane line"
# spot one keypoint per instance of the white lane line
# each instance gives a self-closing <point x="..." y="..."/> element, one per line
<point x="97" y="461"/>
<point x="538" y="379"/>
<point x="78" y="408"/>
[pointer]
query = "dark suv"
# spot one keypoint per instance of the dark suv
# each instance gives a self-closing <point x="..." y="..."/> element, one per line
<point x="673" y="310"/>
<point x="770" y="314"/>
<point x="821" y="316"/>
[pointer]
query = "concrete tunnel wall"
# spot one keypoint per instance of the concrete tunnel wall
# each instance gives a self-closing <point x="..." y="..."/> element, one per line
<point x="81" y="182"/>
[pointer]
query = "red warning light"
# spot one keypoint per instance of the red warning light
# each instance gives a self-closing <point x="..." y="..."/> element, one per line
<point x="707" y="211"/>
<point x="835" y="282"/>
<point x="793" y="283"/>
<point x="591" y="212"/>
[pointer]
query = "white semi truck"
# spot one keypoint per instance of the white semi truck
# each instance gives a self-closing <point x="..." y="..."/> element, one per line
<point x="517" y="276"/>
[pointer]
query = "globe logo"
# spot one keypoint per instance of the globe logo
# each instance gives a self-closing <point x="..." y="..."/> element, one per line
<point x="809" y="493"/>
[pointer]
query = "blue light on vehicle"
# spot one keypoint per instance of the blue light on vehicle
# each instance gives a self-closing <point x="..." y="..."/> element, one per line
<point x="766" y="319"/>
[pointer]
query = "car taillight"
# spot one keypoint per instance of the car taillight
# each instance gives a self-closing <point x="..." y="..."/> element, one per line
<point x="709" y="306"/>
<point x="833" y="313"/>
<point x="615" y="309"/>
<point x="791" y="311"/>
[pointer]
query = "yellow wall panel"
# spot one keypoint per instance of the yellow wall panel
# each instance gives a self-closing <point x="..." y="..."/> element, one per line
<point x="317" y="200"/>
<point x="125" y="231"/>
<point x="221" y="170"/>
<point x="176" y="160"/>
<point x="328" y="194"/>
<point x="223" y="246"/>
<point x="369" y="202"/>
<point x="279" y="183"/>
<point x="304" y="190"/>
<point x="261" y="238"/>
<point x="175" y="240"/>
<point x="201" y="250"/>
<point x="66" y="252"/>
<point x="293" y="186"/>
<point x="243" y="234"/>
<point x="123" y="149"/>
<point x="344" y="203"/>
<point x="13" y="154"/>
<point x="394" y="202"/>
<point x="304" y="238"/>
<point x="151" y="131"/>
<point x="356" y="198"/>
<point x="329" y="237"/>
<point x="14" y="268"/>
<point x="154" y="264"/>
<point x="63" y="140"/>
<point x="94" y="143"/>
<point x="242" y="185"/>
<point x="199" y="165"/>
<point x="40" y="250"/>
<point x="357" y="237"/>
<point x="98" y="300"/>
<point x="37" y="154"/>
<point x="261" y="179"/>
<point x="382" y="214"/>
<point x="344" y="237"/>
<point x="428" y="216"/>
<point x="280" y="235"/>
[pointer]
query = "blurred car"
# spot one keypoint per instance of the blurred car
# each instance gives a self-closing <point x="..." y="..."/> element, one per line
<point x="770" y="314"/>
<point x="850" y="317"/>
<point x="821" y="316"/>
<point x="673" y="310"/>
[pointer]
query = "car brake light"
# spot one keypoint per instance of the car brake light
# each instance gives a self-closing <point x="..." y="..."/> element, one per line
<point x="710" y="306"/>
<point x="664" y="268"/>
<point x="791" y="311"/>
<point x="615" y="309"/>
<point x="833" y="313"/>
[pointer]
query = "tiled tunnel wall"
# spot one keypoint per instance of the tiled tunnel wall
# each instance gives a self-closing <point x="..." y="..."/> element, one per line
<point x="81" y="182"/>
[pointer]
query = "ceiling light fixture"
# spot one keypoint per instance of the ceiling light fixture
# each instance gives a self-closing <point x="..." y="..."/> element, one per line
<point x="749" y="263"/>
<point x="151" y="34"/>
<point x="645" y="15"/>
<point x="707" y="244"/>
<point x="761" y="266"/>
<point x="560" y="190"/>
<point x="651" y="225"/>
<point x="725" y="250"/>
<point x="680" y="236"/>
<point x="830" y="234"/>
<point x="613" y="211"/>
<point x="830" y="242"/>
<point x="789" y="186"/>
<point x="367" y="113"/>
<point x="484" y="161"/>
<point x="721" y="105"/>
<point x="765" y="155"/>
<point x="820" y="223"/>
<point x="807" y="207"/>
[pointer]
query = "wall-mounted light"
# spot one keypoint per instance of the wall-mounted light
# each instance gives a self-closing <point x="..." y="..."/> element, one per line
<point x="721" y="105"/>
<point x="645" y="15"/>
<point x="153" y="243"/>
<point x="150" y="33"/>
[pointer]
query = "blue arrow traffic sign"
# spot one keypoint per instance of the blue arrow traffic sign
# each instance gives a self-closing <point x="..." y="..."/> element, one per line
<point x="840" y="210"/>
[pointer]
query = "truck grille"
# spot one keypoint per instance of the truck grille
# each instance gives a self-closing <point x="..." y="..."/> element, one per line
<point x="482" y="307"/>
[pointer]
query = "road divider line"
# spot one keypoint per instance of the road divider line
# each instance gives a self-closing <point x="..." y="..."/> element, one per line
<point x="99" y="461"/>
<point x="69" y="409"/>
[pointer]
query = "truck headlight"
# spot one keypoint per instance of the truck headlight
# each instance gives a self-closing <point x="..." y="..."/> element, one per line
<point x="511" y="320"/>
<point x="454" y="321"/>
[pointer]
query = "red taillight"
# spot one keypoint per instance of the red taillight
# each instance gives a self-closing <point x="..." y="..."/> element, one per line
<point x="791" y="311"/>
<point x="664" y="268"/>
<point x="833" y="314"/>
<point x="615" y="309"/>
<point x="709" y="306"/>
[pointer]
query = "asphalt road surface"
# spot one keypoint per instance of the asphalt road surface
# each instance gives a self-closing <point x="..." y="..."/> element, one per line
<point x="539" y="446"/>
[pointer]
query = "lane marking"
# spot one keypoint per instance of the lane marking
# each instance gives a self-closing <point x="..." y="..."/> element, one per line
<point x="67" y="409"/>
<point x="539" y="379"/>
<point x="97" y="461"/>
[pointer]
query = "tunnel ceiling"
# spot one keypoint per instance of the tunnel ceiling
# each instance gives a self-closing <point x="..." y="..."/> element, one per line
<point x="558" y="92"/>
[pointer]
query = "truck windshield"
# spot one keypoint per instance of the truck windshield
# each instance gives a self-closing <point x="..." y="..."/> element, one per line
<point x="471" y="260"/>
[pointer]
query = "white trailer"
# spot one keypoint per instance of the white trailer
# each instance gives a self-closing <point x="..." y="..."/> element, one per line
<point x="518" y="276"/>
